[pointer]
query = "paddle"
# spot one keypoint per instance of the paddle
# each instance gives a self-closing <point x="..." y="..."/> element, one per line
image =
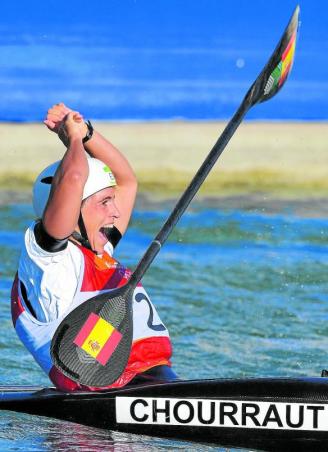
<point x="92" y="344"/>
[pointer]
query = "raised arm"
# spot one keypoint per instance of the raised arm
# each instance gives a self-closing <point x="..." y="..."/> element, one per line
<point x="99" y="147"/>
<point x="126" y="189"/>
<point x="63" y="208"/>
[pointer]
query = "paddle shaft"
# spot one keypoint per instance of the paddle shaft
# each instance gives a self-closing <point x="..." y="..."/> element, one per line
<point x="190" y="192"/>
<point x="258" y="92"/>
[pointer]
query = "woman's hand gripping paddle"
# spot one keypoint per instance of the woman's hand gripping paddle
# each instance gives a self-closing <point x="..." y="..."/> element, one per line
<point x="92" y="344"/>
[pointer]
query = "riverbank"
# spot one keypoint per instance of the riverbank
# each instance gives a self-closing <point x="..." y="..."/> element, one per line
<point x="277" y="160"/>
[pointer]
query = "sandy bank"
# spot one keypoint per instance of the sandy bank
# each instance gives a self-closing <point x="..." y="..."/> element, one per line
<point x="279" y="159"/>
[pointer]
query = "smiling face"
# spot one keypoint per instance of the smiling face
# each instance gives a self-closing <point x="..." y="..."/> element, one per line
<point x="99" y="212"/>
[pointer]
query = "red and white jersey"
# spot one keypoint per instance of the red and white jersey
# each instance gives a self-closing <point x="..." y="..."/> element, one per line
<point x="151" y="343"/>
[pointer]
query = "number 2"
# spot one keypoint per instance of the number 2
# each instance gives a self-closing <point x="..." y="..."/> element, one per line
<point x="159" y="327"/>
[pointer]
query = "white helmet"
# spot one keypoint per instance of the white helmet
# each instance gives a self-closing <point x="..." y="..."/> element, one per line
<point x="100" y="177"/>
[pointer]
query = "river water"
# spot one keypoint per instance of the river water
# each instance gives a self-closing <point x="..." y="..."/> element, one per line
<point x="143" y="60"/>
<point x="243" y="293"/>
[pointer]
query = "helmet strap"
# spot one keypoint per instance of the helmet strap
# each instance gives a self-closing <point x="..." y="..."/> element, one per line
<point x="83" y="236"/>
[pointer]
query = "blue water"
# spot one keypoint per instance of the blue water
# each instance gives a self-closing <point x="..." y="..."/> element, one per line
<point x="242" y="293"/>
<point x="163" y="59"/>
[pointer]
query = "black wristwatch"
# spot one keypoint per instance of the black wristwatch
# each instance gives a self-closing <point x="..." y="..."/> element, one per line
<point x="89" y="132"/>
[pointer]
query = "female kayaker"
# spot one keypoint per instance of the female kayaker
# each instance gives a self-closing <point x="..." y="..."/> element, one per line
<point x="83" y="205"/>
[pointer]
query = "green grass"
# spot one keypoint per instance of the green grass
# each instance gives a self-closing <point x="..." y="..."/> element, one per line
<point x="17" y="181"/>
<point x="236" y="182"/>
<point x="172" y="182"/>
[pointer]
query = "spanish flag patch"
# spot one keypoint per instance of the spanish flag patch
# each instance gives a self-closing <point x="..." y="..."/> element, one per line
<point x="98" y="338"/>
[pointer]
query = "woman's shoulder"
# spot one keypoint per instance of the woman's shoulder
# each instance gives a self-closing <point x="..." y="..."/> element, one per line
<point x="36" y="248"/>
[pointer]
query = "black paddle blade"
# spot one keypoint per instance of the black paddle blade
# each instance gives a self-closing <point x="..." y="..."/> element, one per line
<point x="276" y="71"/>
<point x="92" y="344"/>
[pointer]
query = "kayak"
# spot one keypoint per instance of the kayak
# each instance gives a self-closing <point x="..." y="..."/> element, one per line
<point x="261" y="413"/>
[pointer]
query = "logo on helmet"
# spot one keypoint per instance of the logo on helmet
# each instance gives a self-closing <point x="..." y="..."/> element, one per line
<point x="110" y="174"/>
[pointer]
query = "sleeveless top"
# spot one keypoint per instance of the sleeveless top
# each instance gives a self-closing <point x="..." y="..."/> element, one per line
<point x="151" y="343"/>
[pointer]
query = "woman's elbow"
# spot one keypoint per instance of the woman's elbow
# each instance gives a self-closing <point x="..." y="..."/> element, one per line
<point x="74" y="179"/>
